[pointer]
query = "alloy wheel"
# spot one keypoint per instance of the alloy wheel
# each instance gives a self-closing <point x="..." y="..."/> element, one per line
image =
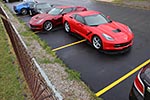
<point x="97" y="43"/>
<point x="48" y="26"/>
<point x="67" y="27"/>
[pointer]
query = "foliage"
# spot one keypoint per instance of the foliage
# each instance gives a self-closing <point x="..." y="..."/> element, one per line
<point x="73" y="74"/>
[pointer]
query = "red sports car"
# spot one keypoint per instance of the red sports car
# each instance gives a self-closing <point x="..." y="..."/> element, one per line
<point x="99" y="30"/>
<point x="52" y="18"/>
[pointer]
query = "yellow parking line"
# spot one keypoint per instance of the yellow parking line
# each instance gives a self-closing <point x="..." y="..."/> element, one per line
<point x="68" y="45"/>
<point x="121" y="79"/>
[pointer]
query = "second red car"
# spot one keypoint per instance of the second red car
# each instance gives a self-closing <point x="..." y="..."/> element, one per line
<point x="52" y="18"/>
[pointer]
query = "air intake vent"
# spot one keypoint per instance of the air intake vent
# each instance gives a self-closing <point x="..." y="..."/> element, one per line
<point x="117" y="31"/>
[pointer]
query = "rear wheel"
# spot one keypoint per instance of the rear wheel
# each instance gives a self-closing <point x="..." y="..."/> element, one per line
<point x="24" y="11"/>
<point x="96" y="42"/>
<point x="67" y="27"/>
<point x="48" y="26"/>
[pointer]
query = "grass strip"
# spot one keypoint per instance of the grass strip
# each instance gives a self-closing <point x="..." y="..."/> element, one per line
<point x="12" y="86"/>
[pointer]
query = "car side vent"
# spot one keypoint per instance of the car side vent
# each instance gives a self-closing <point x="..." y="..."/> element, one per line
<point x="117" y="31"/>
<point x="37" y="17"/>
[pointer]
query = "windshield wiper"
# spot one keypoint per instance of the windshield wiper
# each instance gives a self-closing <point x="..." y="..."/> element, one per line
<point x="94" y="25"/>
<point x="110" y="21"/>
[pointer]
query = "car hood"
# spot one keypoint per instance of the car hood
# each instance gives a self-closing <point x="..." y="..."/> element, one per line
<point x="116" y="30"/>
<point x="42" y="16"/>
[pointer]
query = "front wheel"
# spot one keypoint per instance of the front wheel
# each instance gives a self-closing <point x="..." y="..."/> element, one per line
<point x="96" y="42"/>
<point x="48" y="26"/>
<point x="67" y="27"/>
<point x="24" y="11"/>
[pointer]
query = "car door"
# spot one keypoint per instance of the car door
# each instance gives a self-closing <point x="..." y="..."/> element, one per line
<point x="79" y="26"/>
<point x="58" y="18"/>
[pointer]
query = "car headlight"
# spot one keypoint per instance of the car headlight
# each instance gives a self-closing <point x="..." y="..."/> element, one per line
<point x="130" y="29"/>
<point x="107" y="37"/>
<point x="38" y="22"/>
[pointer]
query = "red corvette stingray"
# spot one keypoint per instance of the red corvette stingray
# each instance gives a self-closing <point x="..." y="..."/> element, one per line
<point x="52" y="18"/>
<point x="99" y="30"/>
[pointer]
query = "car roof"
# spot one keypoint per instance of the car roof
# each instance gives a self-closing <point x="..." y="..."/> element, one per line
<point x="41" y="3"/>
<point x="87" y="13"/>
<point x="64" y="7"/>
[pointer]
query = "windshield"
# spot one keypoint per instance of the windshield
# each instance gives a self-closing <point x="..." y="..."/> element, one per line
<point x="146" y="73"/>
<point x="43" y="6"/>
<point x="55" y="11"/>
<point x="95" y="20"/>
<point x="28" y="0"/>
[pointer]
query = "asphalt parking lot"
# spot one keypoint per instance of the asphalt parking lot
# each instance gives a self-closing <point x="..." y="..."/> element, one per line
<point x="97" y="69"/>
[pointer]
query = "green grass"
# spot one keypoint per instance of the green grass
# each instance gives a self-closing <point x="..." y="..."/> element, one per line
<point x="10" y="87"/>
<point x="73" y="74"/>
<point x="128" y="0"/>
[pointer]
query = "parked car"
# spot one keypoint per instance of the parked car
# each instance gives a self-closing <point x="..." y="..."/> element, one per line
<point x="52" y="18"/>
<point x="40" y="8"/>
<point x="24" y="7"/>
<point x="141" y="85"/>
<point x="99" y="30"/>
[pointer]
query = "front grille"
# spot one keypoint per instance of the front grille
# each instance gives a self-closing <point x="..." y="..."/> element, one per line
<point x="122" y="44"/>
<point x="32" y="26"/>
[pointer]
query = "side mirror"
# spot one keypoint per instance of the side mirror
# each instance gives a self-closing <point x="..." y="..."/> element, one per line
<point x="108" y="17"/>
<point x="64" y="14"/>
<point x="71" y="17"/>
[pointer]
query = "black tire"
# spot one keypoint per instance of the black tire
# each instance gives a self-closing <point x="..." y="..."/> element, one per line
<point x="67" y="27"/>
<point x="97" y="43"/>
<point x="24" y="11"/>
<point x="48" y="26"/>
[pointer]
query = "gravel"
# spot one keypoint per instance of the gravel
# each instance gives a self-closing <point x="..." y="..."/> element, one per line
<point x="69" y="89"/>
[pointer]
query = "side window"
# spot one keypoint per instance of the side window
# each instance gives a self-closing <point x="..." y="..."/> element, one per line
<point x="74" y="16"/>
<point x="79" y="19"/>
<point x="31" y="4"/>
<point x="25" y="4"/>
<point x="67" y="10"/>
<point x="74" y="9"/>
